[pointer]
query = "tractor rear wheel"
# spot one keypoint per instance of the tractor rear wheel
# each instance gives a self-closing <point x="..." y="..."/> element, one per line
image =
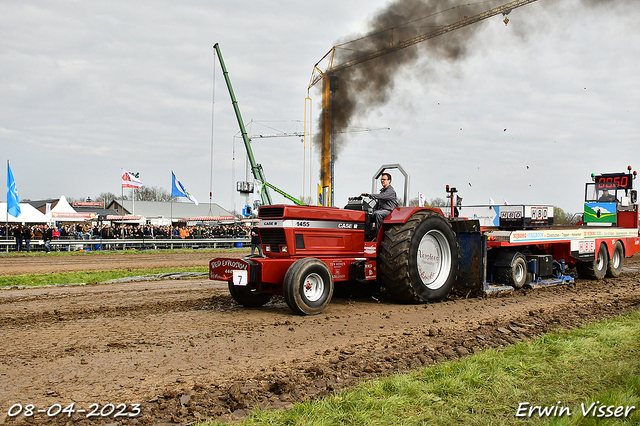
<point x="308" y="286"/>
<point x="614" y="269"/>
<point x="248" y="298"/>
<point x="419" y="258"/>
<point x="597" y="268"/>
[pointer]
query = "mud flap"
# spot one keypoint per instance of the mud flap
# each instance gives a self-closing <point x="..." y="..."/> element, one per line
<point x="470" y="265"/>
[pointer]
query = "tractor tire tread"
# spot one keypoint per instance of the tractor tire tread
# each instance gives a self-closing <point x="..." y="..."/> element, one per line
<point x="394" y="258"/>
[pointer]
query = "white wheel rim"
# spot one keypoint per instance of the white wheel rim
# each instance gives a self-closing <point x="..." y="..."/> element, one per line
<point x="616" y="259"/>
<point x="600" y="262"/>
<point x="434" y="259"/>
<point x="520" y="272"/>
<point x="313" y="287"/>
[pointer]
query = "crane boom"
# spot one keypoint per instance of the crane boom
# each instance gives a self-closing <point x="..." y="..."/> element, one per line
<point x="277" y="135"/>
<point x="256" y="169"/>
<point x="504" y="9"/>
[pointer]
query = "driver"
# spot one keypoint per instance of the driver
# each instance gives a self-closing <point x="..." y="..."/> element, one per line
<point x="606" y="197"/>
<point x="386" y="200"/>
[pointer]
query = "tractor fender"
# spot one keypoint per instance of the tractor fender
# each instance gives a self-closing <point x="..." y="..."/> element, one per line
<point x="403" y="214"/>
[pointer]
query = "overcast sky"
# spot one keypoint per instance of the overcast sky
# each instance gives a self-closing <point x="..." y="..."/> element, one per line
<point x="535" y="106"/>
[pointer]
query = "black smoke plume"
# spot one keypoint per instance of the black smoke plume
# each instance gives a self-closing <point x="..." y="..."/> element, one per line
<point x="368" y="85"/>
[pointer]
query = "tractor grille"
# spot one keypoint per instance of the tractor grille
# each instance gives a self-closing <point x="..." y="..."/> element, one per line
<point x="273" y="237"/>
<point x="270" y="212"/>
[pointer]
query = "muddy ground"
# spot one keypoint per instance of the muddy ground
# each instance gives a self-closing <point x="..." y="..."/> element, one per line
<point x="183" y="349"/>
<point x="96" y="261"/>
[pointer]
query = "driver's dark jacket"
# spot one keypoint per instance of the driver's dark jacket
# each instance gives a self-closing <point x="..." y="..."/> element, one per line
<point x="386" y="199"/>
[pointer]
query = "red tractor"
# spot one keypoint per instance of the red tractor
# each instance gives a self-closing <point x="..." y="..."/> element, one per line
<point x="309" y="250"/>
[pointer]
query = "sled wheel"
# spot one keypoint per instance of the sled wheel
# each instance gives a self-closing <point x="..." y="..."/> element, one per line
<point x="419" y="258"/>
<point x="516" y="274"/>
<point x="617" y="260"/>
<point x="308" y="286"/>
<point x="597" y="268"/>
<point x="248" y="298"/>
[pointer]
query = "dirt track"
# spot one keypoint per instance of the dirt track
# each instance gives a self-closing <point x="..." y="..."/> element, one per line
<point x="101" y="262"/>
<point x="184" y="350"/>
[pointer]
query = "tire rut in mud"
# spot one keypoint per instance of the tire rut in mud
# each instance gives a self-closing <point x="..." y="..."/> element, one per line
<point x="211" y="303"/>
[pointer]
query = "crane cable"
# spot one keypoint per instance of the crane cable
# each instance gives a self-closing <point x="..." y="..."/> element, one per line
<point x="411" y="22"/>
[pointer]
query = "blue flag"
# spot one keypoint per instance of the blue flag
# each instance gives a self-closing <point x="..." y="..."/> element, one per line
<point x="13" y="202"/>
<point x="177" y="190"/>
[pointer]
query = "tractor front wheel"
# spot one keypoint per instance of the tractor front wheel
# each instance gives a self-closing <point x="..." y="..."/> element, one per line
<point x="308" y="286"/>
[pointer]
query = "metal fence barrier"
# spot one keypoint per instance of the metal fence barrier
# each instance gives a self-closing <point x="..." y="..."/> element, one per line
<point x="129" y="243"/>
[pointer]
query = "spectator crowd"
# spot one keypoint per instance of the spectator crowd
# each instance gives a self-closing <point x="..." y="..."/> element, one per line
<point x="23" y="234"/>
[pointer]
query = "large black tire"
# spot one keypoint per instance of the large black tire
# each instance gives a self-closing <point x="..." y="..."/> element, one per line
<point x="308" y="286"/>
<point x="248" y="298"/>
<point x="597" y="268"/>
<point x="514" y="275"/>
<point x="614" y="268"/>
<point x="419" y="258"/>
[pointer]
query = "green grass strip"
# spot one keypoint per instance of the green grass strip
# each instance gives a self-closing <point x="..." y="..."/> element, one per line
<point x="598" y="363"/>
<point x="100" y="276"/>
<point x="86" y="276"/>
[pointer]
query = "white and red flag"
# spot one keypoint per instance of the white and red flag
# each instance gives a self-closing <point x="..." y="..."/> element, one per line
<point x="130" y="181"/>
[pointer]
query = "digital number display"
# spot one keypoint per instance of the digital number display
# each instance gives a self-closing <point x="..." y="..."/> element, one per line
<point x="614" y="181"/>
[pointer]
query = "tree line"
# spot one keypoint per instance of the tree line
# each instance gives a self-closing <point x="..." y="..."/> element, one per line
<point x="146" y="193"/>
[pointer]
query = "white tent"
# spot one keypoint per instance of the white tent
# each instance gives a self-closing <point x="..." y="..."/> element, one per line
<point x="28" y="214"/>
<point x="63" y="212"/>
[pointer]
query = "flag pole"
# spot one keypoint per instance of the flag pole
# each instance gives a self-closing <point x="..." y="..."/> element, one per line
<point x="12" y="196"/>
<point x="171" y="204"/>
<point x="6" y="225"/>
<point x="122" y="195"/>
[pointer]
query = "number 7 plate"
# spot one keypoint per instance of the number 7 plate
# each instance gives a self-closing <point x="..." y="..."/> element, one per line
<point x="240" y="277"/>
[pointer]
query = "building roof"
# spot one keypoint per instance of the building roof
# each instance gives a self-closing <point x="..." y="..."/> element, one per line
<point x="41" y="205"/>
<point x="175" y="210"/>
<point x="97" y="210"/>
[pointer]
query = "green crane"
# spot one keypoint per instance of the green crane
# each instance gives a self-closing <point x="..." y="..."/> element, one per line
<point x="256" y="169"/>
